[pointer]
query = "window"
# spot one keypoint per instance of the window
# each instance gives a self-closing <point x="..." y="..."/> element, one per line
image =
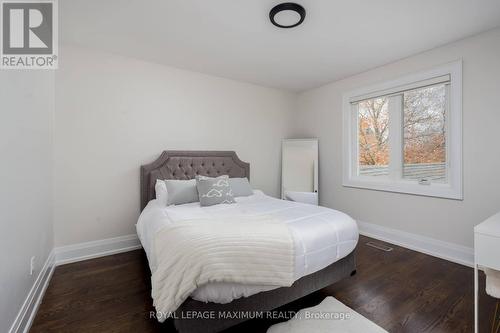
<point x="373" y="136"/>
<point x="406" y="135"/>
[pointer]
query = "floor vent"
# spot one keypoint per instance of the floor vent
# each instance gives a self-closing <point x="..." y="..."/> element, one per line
<point x="380" y="246"/>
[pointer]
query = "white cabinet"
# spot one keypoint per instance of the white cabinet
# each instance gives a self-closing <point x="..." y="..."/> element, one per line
<point x="486" y="252"/>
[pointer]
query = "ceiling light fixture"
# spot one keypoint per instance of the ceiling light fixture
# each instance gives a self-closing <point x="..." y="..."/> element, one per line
<point x="287" y="15"/>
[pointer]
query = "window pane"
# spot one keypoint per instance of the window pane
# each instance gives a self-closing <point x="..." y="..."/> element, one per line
<point x="373" y="134"/>
<point x="424" y="134"/>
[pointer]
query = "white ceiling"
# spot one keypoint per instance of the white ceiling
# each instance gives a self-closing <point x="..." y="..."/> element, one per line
<point x="235" y="39"/>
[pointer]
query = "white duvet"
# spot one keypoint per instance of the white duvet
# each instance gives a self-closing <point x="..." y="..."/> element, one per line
<point x="321" y="236"/>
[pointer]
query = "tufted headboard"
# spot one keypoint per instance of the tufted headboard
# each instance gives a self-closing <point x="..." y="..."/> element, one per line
<point x="174" y="164"/>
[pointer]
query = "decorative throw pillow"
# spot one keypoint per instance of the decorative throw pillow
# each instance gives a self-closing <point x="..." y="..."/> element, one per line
<point x="181" y="191"/>
<point x="213" y="191"/>
<point x="241" y="187"/>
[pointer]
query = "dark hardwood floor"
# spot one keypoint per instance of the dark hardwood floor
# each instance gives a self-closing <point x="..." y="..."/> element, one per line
<point x="402" y="291"/>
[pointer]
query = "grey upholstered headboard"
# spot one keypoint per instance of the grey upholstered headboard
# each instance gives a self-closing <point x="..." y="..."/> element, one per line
<point x="174" y="164"/>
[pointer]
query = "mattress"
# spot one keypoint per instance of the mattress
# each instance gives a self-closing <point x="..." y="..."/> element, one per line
<point x="321" y="236"/>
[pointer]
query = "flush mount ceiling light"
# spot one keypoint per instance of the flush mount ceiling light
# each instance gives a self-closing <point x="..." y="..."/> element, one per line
<point x="287" y="15"/>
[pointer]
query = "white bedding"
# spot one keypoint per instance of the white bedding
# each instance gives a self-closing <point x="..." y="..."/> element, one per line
<point x="321" y="236"/>
<point x="196" y="252"/>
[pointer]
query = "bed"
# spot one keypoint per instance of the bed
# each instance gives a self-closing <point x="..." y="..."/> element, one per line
<point x="324" y="239"/>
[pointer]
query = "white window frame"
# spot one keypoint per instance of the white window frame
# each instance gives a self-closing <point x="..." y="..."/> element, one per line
<point x="394" y="182"/>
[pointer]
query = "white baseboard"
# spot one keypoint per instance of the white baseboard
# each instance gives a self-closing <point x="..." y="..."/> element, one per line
<point x="449" y="251"/>
<point x="104" y="247"/>
<point x="26" y="314"/>
<point x="64" y="255"/>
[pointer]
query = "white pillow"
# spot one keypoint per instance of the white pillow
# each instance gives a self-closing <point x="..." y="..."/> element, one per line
<point x="161" y="192"/>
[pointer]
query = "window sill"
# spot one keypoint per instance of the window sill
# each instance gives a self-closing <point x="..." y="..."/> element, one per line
<point x="436" y="190"/>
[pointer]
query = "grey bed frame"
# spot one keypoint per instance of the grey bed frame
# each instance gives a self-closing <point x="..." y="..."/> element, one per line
<point x="188" y="164"/>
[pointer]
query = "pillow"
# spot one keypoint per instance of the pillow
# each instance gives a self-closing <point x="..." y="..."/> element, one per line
<point x="161" y="192"/>
<point x="181" y="191"/>
<point x="241" y="187"/>
<point x="213" y="191"/>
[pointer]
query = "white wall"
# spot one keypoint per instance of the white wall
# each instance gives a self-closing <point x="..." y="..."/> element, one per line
<point x="115" y="113"/>
<point x="319" y="114"/>
<point x="26" y="150"/>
